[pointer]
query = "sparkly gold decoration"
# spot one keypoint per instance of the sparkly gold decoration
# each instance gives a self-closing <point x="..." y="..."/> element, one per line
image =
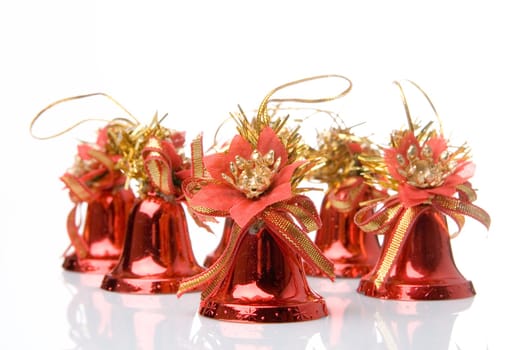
<point x="129" y="139"/>
<point x="250" y="129"/>
<point x="253" y="176"/>
<point x="420" y="170"/>
<point x="339" y="151"/>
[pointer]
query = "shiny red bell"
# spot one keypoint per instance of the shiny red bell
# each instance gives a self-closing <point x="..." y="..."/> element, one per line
<point x="157" y="252"/>
<point x="213" y="256"/>
<point x="424" y="268"/>
<point x="103" y="232"/>
<point x="353" y="252"/>
<point x="265" y="283"/>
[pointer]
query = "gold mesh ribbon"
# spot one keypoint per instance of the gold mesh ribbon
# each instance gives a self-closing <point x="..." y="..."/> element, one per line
<point x="157" y="166"/>
<point x="77" y="242"/>
<point x="396" y="221"/>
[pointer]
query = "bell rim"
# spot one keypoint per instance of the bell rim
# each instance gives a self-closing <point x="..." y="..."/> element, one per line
<point x="142" y="285"/>
<point x="417" y="292"/>
<point x="293" y="311"/>
<point x="88" y="265"/>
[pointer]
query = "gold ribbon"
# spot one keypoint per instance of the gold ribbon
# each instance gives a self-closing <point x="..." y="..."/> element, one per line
<point x="86" y="187"/>
<point x="346" y="197"/>
<point x="398" y="220"/>
<point x="281" y="220"/>
<point x="78" y="243"/>
<point x="157" y="165"/>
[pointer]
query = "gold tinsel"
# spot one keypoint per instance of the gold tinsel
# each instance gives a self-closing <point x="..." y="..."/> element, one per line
<point x="128" y="140"/>
<point x="338" y="161"/>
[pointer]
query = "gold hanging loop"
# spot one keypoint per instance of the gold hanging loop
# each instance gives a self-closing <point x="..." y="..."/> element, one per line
<point x="263" y="108"/>
<point x="406" y="105"/>
<point x="73" y="98"/>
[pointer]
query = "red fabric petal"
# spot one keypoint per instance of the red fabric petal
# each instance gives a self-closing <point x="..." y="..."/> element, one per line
<point x="437" y="145"/>
<point x="175" y="159"/>
<point x="268" y="140"/>
<point x="239" y="146"/>
<point x="219" y="163"/>
<point x="217" y="196"/>
<point x="216" y="164"/>
<point x="83" y="151"/>
<point x="244" y="211"/>
<point x="285" y="174"/>
<point x="102" y="137"/>
<point x="392" y="163"/>
<point x="411" y="196"/>
<point x="178" y="139"/>
<point x="465" y="171"/>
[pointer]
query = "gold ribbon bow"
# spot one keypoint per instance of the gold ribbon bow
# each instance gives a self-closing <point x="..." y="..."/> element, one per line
<point x="288" y="221"/>
<point x="398" y="220"/>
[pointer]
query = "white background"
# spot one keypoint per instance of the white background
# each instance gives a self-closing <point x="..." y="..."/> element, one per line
<point x="196" y="61"/>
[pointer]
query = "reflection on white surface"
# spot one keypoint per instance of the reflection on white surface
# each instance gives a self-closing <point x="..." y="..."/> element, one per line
<point x="104" y="320"/>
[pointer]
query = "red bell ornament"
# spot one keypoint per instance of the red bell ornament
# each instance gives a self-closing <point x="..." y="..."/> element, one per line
<point x="265" y="283"/>
<point x="424" y="268"/>
<point x="96" y="182"/>
<point x="431" y="183"/>
<point x="353" y="252"/>
<point x="339" y="238"/>
<point x="157" y="252"/>
<point x="259" y="274"/>
<point x="103" y="232"/>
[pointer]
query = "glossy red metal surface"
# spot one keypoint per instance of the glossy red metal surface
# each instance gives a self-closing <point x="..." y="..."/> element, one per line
<point x="157" y="252"/>
<point x="266" y="283"/>
<point x="103" y="233"/>
<point x="424" y="269"/>
<point x="213" y="256"/>
<point x="353" y="252"/>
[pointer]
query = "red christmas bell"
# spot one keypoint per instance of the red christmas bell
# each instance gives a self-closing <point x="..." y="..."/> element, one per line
<point x="265" y="283"/>
<point x="212" y="257"/>
<point x="103" y="233"/>
<point x="353" y="252"/>
<point x="157" y="252"/>
<point x="431" y="180"/>
<point x="425" y="268"/>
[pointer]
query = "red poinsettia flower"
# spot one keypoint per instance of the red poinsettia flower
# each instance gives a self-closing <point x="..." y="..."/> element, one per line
<point x="423" y="171"/>
<point x="247" y="180"/>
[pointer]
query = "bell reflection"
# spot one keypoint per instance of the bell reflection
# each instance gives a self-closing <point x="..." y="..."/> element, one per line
<point x="415" y="324"/>
<point x="211" y="334"/>
<point x="89" y="314"/>
<point x="350" y="324"/>
<point x="101" y="320"/>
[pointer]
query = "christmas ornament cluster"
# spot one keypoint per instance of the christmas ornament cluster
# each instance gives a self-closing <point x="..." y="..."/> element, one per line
<point x="135" y="188"/>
